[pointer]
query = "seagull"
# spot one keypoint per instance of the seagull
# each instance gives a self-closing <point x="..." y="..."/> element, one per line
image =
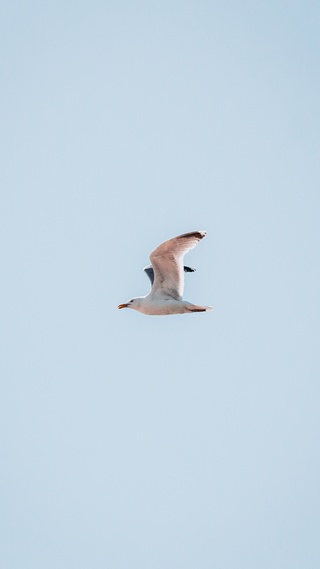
<point x="166" y="274"/>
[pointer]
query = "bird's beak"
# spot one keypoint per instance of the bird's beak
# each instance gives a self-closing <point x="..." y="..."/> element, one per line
<point x="123" y="305"/>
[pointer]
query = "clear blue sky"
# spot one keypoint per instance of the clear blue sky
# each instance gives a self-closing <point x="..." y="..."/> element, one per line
<point x="135" y="442"/>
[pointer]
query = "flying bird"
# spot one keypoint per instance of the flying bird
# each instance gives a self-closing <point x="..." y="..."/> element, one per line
<point x="166" y="274"/>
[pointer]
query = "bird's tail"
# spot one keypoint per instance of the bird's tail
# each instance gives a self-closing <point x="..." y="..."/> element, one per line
<point x="195" y="308"/>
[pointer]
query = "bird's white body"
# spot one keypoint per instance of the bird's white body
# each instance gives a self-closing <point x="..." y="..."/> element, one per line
<point x="163" y="306"/>
<point x="166" y="293"/>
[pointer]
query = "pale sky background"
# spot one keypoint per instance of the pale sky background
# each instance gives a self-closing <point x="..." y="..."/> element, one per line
<point x="180" y="442"/>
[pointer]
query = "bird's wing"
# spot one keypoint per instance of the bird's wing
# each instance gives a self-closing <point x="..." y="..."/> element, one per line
<point x="149" y="271"/>
<point x="167" y="262"/>
<point x="188" y="269"/>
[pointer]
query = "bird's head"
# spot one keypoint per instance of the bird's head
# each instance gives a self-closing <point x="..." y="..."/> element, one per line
<point x="133" y="303"/>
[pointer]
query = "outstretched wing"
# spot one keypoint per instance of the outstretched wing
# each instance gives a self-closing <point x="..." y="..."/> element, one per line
<point x="167" y="262"/>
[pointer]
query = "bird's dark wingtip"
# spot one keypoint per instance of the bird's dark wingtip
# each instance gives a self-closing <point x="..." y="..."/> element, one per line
<point x="197" y="234"/>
